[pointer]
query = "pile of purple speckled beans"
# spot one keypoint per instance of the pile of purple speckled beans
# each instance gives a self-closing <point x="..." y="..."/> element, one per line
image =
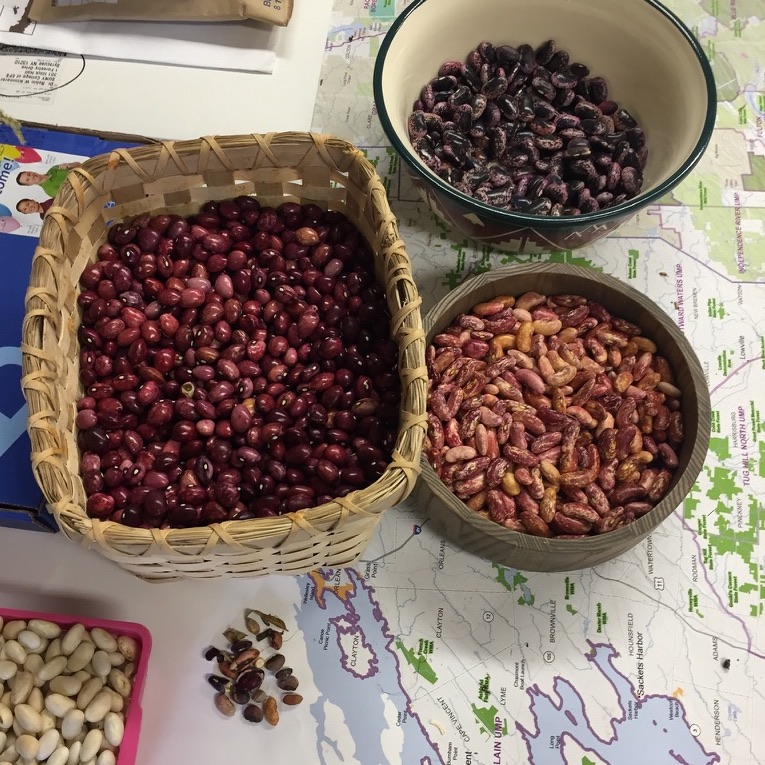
<point x="529" y="131"/>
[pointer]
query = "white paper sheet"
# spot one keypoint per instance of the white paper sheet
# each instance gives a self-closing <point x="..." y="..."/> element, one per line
<point x="183" y="102"/>
<point x="241" y="46"/>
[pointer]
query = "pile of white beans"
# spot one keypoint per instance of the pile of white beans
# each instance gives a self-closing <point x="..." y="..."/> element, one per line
<point x="63" y="692"/>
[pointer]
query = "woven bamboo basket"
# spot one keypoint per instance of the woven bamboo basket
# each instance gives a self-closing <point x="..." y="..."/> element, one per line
<point x="179" y="177"/>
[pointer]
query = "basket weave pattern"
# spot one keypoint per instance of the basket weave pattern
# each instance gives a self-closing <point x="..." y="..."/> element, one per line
<point x="179" y="177"/>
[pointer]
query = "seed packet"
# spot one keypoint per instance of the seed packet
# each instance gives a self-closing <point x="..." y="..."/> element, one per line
<point x="276" y="12"/>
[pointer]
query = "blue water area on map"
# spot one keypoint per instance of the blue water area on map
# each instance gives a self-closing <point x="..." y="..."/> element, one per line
<point x="652" y="729"/>
<point x="362" y="699"/>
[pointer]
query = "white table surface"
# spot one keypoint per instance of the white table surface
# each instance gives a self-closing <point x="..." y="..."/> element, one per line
<point x="47" y="572"/>
<point x="176" y="102"/>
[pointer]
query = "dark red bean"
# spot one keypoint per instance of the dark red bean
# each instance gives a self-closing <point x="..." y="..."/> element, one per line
<point x="224" y="365"/>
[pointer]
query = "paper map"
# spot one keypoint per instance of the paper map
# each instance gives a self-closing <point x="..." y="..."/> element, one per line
<point x="428" y="654"/>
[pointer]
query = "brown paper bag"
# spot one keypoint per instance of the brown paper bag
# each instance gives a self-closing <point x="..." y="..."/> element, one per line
<point x="277" y="12"/>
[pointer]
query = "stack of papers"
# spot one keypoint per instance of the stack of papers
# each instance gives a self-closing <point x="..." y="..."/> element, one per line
<point x="243" y="46"/>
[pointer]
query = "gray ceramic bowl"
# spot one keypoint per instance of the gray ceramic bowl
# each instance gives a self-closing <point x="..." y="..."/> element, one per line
<point x="482" y="536"/>
<point x="654" y="67"/>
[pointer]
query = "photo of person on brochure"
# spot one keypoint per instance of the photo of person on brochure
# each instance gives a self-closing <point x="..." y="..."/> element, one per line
<point x="50" y="181"/>
<point x="31" y="206"/>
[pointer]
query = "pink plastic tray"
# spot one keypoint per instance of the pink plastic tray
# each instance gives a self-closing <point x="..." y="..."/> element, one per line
<point x="128" y="750"/>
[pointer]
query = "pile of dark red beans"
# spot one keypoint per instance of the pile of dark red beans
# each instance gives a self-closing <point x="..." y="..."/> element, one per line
<point x="527" y="130"/>
<point x="235" y="365"/>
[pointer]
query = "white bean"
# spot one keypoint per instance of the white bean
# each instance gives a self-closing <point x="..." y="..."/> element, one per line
<point x="12" y="628"/>
<point x="59" y="757"/>
<point x="32" y="641"/>
<point x="36" y="700"/>
<point x="102" y="666"/>
<point x="53" y="650"/>
<point x="59" y="705"/>
<point x="48" y="720"/>
<point x="91" y="745"/>
<point x="97" y="709"/>
<point x="103" y="639"/>
<point x="33" y="665"/>
<point x="118" y="703"/>
<point x="44" y="628"/>
<point x="73" y="637"/>
<point x="106" y="758"/>
<point x="52" y="669"/>
<point x="128" y="647"/>
<point x="114" y="728"/>
<point x="27" y="747"/>
<point x="28" y="718"/>
<point x="116" y="659"/>
<point x="10" y="755"/>
<point x="74" y="753"/>
<point x="120" y="682"/>
<point x="72" y="724"/>
<point x="66" y="685"/>
<point x="6" y="717"/>
<point x="21" y="686"/>
<point x="15" y="651"/>
<point x="89" y="691"/>
<point x="81" y="656"/>
<point x="8" y="669"/>
<point x="48" y="743"/>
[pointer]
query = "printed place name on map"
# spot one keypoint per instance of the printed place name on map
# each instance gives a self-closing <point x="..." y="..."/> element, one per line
<point x="324" y="636"/>
<point x="553" y="620"/>
<point x="649" y="553"/>
<point x="440" y="623"/>
<point x="454" y="755"/>
<point x="519" y="675"/>
<point x="453" y="719"/>
<point x="716" y="720"/>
